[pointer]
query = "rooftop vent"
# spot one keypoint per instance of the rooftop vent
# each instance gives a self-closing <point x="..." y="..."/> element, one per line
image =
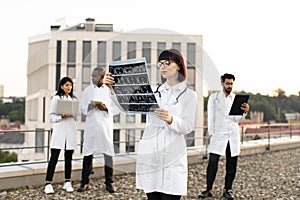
<point x="54" y="27"/>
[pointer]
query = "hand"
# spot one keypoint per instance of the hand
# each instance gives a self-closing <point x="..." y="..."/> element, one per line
<point x="164" y="115"/>
<point x="101" y="106"/>
<point x="91" y="106"/>
<point x="67" y="115"/>
<point x="245" y="107"/>
<point x="109" y="81"/>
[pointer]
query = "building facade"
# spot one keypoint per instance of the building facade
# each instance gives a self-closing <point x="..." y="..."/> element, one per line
<point x="76" y="50"/>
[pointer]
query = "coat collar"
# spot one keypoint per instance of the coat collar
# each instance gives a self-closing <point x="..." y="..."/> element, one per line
<point x="231" y="95"/>
<point x="176" y="88"/>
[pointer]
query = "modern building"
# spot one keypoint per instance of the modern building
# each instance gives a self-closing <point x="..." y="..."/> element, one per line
<point x="74" y="51"/>
<point x="1" y="90"/>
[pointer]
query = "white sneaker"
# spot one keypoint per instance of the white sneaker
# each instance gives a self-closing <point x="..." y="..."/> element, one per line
<point x="49" y="189"/>
<point x="68" y="187"/>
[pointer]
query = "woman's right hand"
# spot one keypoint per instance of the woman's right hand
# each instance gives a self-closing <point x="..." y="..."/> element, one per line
<point x="67" y="115"/>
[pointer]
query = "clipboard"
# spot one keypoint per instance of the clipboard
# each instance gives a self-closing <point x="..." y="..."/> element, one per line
<point x="239" y="99"/>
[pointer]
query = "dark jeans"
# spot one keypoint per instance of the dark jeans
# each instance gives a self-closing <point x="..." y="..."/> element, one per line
<point x="162" y="196"/>
<point x="53" y="161"/>
<point x="212" y="168"/>
<point x="87" y="168"/>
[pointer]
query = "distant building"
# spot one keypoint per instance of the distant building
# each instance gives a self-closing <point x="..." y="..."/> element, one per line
<point x="292" y="117"/>
<point x="11" y="140"/>
<point x="76" y="50"/>
<point x="1" y="90"/>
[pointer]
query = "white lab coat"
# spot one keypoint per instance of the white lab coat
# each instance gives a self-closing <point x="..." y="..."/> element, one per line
<point x="223" y="127"/>
<point x="64" y="133"/>
<point x="162" y="156"/>
<point x="98" y="131"/>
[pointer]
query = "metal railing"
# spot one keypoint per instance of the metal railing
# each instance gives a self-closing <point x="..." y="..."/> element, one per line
<point x="248" y="132"/>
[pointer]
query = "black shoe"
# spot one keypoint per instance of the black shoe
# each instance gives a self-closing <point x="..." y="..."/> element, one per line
<point x="109" y="188"/>
<point x="204" y="194"/>
<point x="228" y="195"/>
<point x="82" y="188"/>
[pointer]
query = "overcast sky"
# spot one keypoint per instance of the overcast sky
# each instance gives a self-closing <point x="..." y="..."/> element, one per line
<point x="257" y="40"/>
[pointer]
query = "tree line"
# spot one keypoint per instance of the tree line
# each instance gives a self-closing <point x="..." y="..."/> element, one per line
<point x="13" y="110"/>
<point x="273" y="107"/>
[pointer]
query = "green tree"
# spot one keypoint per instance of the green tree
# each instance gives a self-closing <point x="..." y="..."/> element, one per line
<point x="14" y="111"/>
<point x="6" y="157"/>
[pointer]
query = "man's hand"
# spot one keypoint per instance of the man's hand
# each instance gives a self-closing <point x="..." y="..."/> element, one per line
<point x="109" y="81"/>
<point x="245" y="107"/>
<point x="101" y="106"/>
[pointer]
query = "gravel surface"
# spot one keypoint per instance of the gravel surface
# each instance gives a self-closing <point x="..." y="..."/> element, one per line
<point x="272" y="175"/>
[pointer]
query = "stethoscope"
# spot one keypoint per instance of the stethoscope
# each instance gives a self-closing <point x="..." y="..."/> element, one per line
<point x="217" y="100"/>
<point x="176" y="100"/>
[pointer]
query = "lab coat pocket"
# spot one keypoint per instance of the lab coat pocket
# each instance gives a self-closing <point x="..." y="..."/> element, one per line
<point x="176" y="178"/>
<point x="147" y="157"/>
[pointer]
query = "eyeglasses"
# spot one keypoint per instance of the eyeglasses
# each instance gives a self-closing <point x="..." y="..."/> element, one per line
<point x="165" y="64"/>
<point x="228" y="83"/>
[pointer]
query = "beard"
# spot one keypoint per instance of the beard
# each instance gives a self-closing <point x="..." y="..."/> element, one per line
<point x="228" y="90"/>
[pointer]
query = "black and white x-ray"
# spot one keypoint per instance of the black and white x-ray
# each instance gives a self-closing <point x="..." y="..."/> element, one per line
<point x="132" y="86"/>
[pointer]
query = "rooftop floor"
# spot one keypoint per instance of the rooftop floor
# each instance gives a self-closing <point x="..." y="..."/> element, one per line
<point x="269" y="174"/>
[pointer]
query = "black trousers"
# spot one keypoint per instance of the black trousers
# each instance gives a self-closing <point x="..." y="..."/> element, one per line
<point x="212" y="168"/>
<point x="87" y="166"/>
<point x="162" y="196"/>
<point x="53" y="161"/>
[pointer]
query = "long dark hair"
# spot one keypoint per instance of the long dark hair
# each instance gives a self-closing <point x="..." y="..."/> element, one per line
<point x="176" y="56"/>
<point x="60" y="91"/>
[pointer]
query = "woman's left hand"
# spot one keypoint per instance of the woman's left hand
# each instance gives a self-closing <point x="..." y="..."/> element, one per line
<point x="164" y="115"/>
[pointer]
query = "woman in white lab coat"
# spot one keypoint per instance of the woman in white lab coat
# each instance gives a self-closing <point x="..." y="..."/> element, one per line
<point x="161" y="169"/>
<point x="64" y="135"/>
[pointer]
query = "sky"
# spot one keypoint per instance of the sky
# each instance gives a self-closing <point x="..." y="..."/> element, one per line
<point x="258" y="41"/>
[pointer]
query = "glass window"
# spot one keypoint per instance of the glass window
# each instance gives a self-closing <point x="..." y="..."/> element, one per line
<point x="116" y="118"/>
<point x="191" y="54"/>
<point x="39" y="141"/>
<point x="86" y="53"/>
<point x="71" y="71"/>
<point x="71" y="59"/>
<point x="58" y="62"/>
<point x="146" y="51"/>
<point x="86" y="63"/>
<point x="143" y="118"/>
<point x="86" y="75"/>
<point x="116" y="54"/>
<point x="191" y="74"/>
<point x="160" y="47"/>
<point x="71" y="52"/>
<point x="101" y="58"/>
<point x="191" y="63"/>
<point x="116" y="140"/>
<point x="130" y="140"/>
<point x="130" y="118"/>
<point x="176" y="45"/>
<point x="190" y="139"/>
<point x="131" y="50"/>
